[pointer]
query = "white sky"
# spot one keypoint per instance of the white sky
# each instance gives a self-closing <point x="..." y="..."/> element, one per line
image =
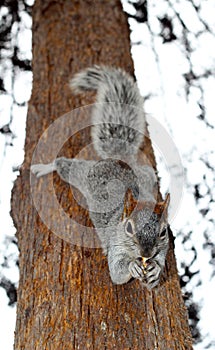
<point x="161" y="77"/>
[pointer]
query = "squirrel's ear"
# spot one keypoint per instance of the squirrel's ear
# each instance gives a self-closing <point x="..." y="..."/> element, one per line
<point x="161" y="208"/>
<point x="129" y="204"/>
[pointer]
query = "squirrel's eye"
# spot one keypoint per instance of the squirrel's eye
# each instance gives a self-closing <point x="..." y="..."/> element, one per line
<point x="129" y="228"/>
<point x="163" y="233"/>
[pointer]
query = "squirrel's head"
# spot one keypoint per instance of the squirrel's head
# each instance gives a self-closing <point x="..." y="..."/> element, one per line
<point x="146" y="224"/>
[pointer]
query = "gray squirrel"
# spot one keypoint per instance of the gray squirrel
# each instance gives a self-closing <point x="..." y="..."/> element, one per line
<point x="131" y="225"/>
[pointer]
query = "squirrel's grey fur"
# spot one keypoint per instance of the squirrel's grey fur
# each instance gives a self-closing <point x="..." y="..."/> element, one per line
<point x="117" y="132"/>
<point x="119" y="106"/>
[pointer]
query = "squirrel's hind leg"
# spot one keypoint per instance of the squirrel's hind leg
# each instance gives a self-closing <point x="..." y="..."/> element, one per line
<point x="72" y="171"/>
<point x="43" y="169"/>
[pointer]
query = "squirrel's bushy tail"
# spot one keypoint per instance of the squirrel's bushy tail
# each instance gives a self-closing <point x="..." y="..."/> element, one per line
<point x="118" y="116"/>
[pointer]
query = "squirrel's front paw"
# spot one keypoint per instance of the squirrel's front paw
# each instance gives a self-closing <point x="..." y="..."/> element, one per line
<point x="152" y="274"/>
<point x="136" y="269"/>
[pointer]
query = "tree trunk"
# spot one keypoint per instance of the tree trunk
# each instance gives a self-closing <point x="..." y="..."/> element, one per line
<point x="66" y="299"/>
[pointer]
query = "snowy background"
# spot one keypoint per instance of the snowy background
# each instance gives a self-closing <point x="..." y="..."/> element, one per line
<point x="15" y="90"/>
<point x="173" y="45"/>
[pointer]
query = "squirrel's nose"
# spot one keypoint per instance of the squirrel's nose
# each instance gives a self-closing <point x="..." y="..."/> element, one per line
<point x="146" y="253"/>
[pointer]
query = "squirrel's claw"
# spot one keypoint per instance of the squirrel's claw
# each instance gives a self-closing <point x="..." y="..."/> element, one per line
<point x="152" y="274"/>
<point x="136" y="269"/>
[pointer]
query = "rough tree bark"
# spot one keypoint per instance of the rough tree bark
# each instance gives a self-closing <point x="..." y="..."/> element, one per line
<point x="65" y="298"/>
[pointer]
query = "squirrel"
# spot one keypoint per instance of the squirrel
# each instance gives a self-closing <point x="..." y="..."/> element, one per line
<point x="131" y="225"/>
